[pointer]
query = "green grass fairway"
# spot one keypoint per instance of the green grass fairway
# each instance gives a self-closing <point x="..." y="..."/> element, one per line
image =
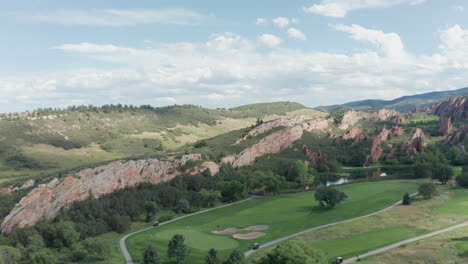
<point x="285" y="214"/>
<point x="355" y="245"/>
<point x="459" y="201"/>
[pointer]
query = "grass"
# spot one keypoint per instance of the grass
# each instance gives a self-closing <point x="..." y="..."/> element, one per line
<point x="285" y="214"/>
<point x="400" y="223"/>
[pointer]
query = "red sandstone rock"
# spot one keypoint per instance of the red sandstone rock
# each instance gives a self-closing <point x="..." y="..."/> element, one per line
<point x="352" y="117"/>
<point x="353" y="133"/>
<point x="270" y="144"/>
<point x="46" y="200"/>
<point x="445" y="125"/>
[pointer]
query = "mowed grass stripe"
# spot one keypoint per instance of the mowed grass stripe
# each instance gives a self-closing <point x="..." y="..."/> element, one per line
<point x="285" y="214"/>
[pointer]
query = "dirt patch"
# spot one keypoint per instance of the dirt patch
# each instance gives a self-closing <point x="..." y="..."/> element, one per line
<point x="233" y="230"/>
<point x="251" y="235"/>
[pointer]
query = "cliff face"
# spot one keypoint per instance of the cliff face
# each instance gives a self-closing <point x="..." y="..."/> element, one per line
<point x="352" y="117"/>
<point x="417" y="144"/>
<point x="46" y="200"/>
<point x="11" y="188"/>
<point x="457" y="136"/>
<point x="270" y="144"/>
<point x="282" y="122"/>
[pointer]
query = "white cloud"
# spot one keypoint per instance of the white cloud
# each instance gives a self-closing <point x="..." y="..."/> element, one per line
<point x="389" y="43"/>
<point x="86" y="47"/>
<point x="269" y="40"/>
<point x="229" y="70"/>
<point x="261" y="21"/>
<point x="339" y="8"/>
<point x="117" y="17"/>
<point x="459" y="9"/>
<point x="281" y="22"/>
<point x="296" y="33"/>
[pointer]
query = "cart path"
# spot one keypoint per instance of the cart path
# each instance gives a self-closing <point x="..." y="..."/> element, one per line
<point x="392" y="246"/>
<point x="276" y="241"/>
<point x="123" y="246"/>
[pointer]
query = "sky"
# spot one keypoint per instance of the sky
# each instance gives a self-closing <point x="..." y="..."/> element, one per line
<point x="56" y="53"/>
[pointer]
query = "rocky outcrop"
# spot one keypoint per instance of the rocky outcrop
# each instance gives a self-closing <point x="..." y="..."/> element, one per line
<point x="46" y="200"/>
<point x="417" y="144"/>
<point x="455" y="108"/>
<point x="281" y="122"/>
<point x="457" y="136"/>
<point x="316" y="125"/>
<point x="353" y="133"/>
<point x="270" y="144"/>
<point x="377" y="150"/>
<point x="12" y="188"/>
<point x="352" y="117"/>
<point x="207" y="165"/>
<point x="314" y="158"/>
<point x="445" y="125"/>
<point x="397" y="131"/>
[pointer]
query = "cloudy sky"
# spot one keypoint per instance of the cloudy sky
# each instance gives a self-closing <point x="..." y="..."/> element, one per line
<point x="215" y="53"/>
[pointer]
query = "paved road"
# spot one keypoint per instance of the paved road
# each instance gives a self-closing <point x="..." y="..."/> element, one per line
<point x="276" y="241"/>
<point x="380" y="250"/>
<point x="123" y="247"/>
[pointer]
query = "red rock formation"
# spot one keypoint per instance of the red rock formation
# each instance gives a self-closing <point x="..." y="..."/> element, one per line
<point x="455" y="108"/>
<point x="316" y="125"/>
<point x="46" y="200"/>
<point x="208" y="165"/>
<point x="445" y="124"/>
<point x="457" y="136"/>
<point x="281" y="122"/>
<point x="270" y="144"/>
<point x="314" y="158"/>
<point x="377" y="151"/>
<point x="352" y="117"/>
<point x="417" y="144"/>
<point x="397" y="131"/>
<point x="12" y="188"/>
<point x="353" y="133"/>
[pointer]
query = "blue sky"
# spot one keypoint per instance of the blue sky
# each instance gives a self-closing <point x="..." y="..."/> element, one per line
<point x="228" y="53"/>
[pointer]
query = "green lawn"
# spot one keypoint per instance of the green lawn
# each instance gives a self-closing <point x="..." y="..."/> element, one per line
<point x="362" y="243"/>
<point x="285" y="214"/>
<point x="459" y="201"/>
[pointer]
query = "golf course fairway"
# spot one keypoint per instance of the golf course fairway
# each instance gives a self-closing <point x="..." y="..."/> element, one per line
<point x="284" y="214"/>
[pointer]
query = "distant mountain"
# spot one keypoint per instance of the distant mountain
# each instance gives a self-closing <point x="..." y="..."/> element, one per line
<point x="404" y="103"/>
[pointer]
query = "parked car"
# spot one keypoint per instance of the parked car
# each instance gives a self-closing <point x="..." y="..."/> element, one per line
<point x="339" y="260"/>
<point x="256" y="246"/>
<point x="156" y="224"/>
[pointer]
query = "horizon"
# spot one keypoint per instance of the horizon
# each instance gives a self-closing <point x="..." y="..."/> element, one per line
<point x="222" y="55"/>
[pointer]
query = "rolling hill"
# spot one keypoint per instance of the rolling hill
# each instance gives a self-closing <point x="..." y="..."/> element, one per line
<point x="404" y="103"/>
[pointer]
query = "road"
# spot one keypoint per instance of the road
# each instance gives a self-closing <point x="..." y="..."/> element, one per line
<point x="123" y="246"/>
<point x="380" y="250"/>
<point x="276" y="241"/>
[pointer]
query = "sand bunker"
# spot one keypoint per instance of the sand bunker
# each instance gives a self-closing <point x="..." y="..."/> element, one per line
<point x="251" y="235"/>
<point x="235" y="230"/>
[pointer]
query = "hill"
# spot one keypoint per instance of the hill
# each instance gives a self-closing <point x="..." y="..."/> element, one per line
<point x="49" y="140"/>
<point x="404" y="103"/>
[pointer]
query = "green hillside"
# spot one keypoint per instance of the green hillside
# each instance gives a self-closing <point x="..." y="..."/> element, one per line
<point x="49" y="140"/>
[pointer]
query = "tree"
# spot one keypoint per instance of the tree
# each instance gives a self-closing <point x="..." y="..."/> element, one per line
<point x="329" y="196"/>
<point x="151" y="209"/>
<point x="427" y="190"/>
<point x="150" y="256"/>
<point x="462" y="180"/>
<point x="442" y="173"/>
<point x="183" y="206"/>
<point x="235" y="258"/>
<point x="406" y="199"/>
<point x="9" y="255"/>
<point x="294" y="252"/>
<point x="43" y="256"/>
<point x="213" y="257"/>
<point x="96" y="248"/>
<point x="177" y="248"/>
